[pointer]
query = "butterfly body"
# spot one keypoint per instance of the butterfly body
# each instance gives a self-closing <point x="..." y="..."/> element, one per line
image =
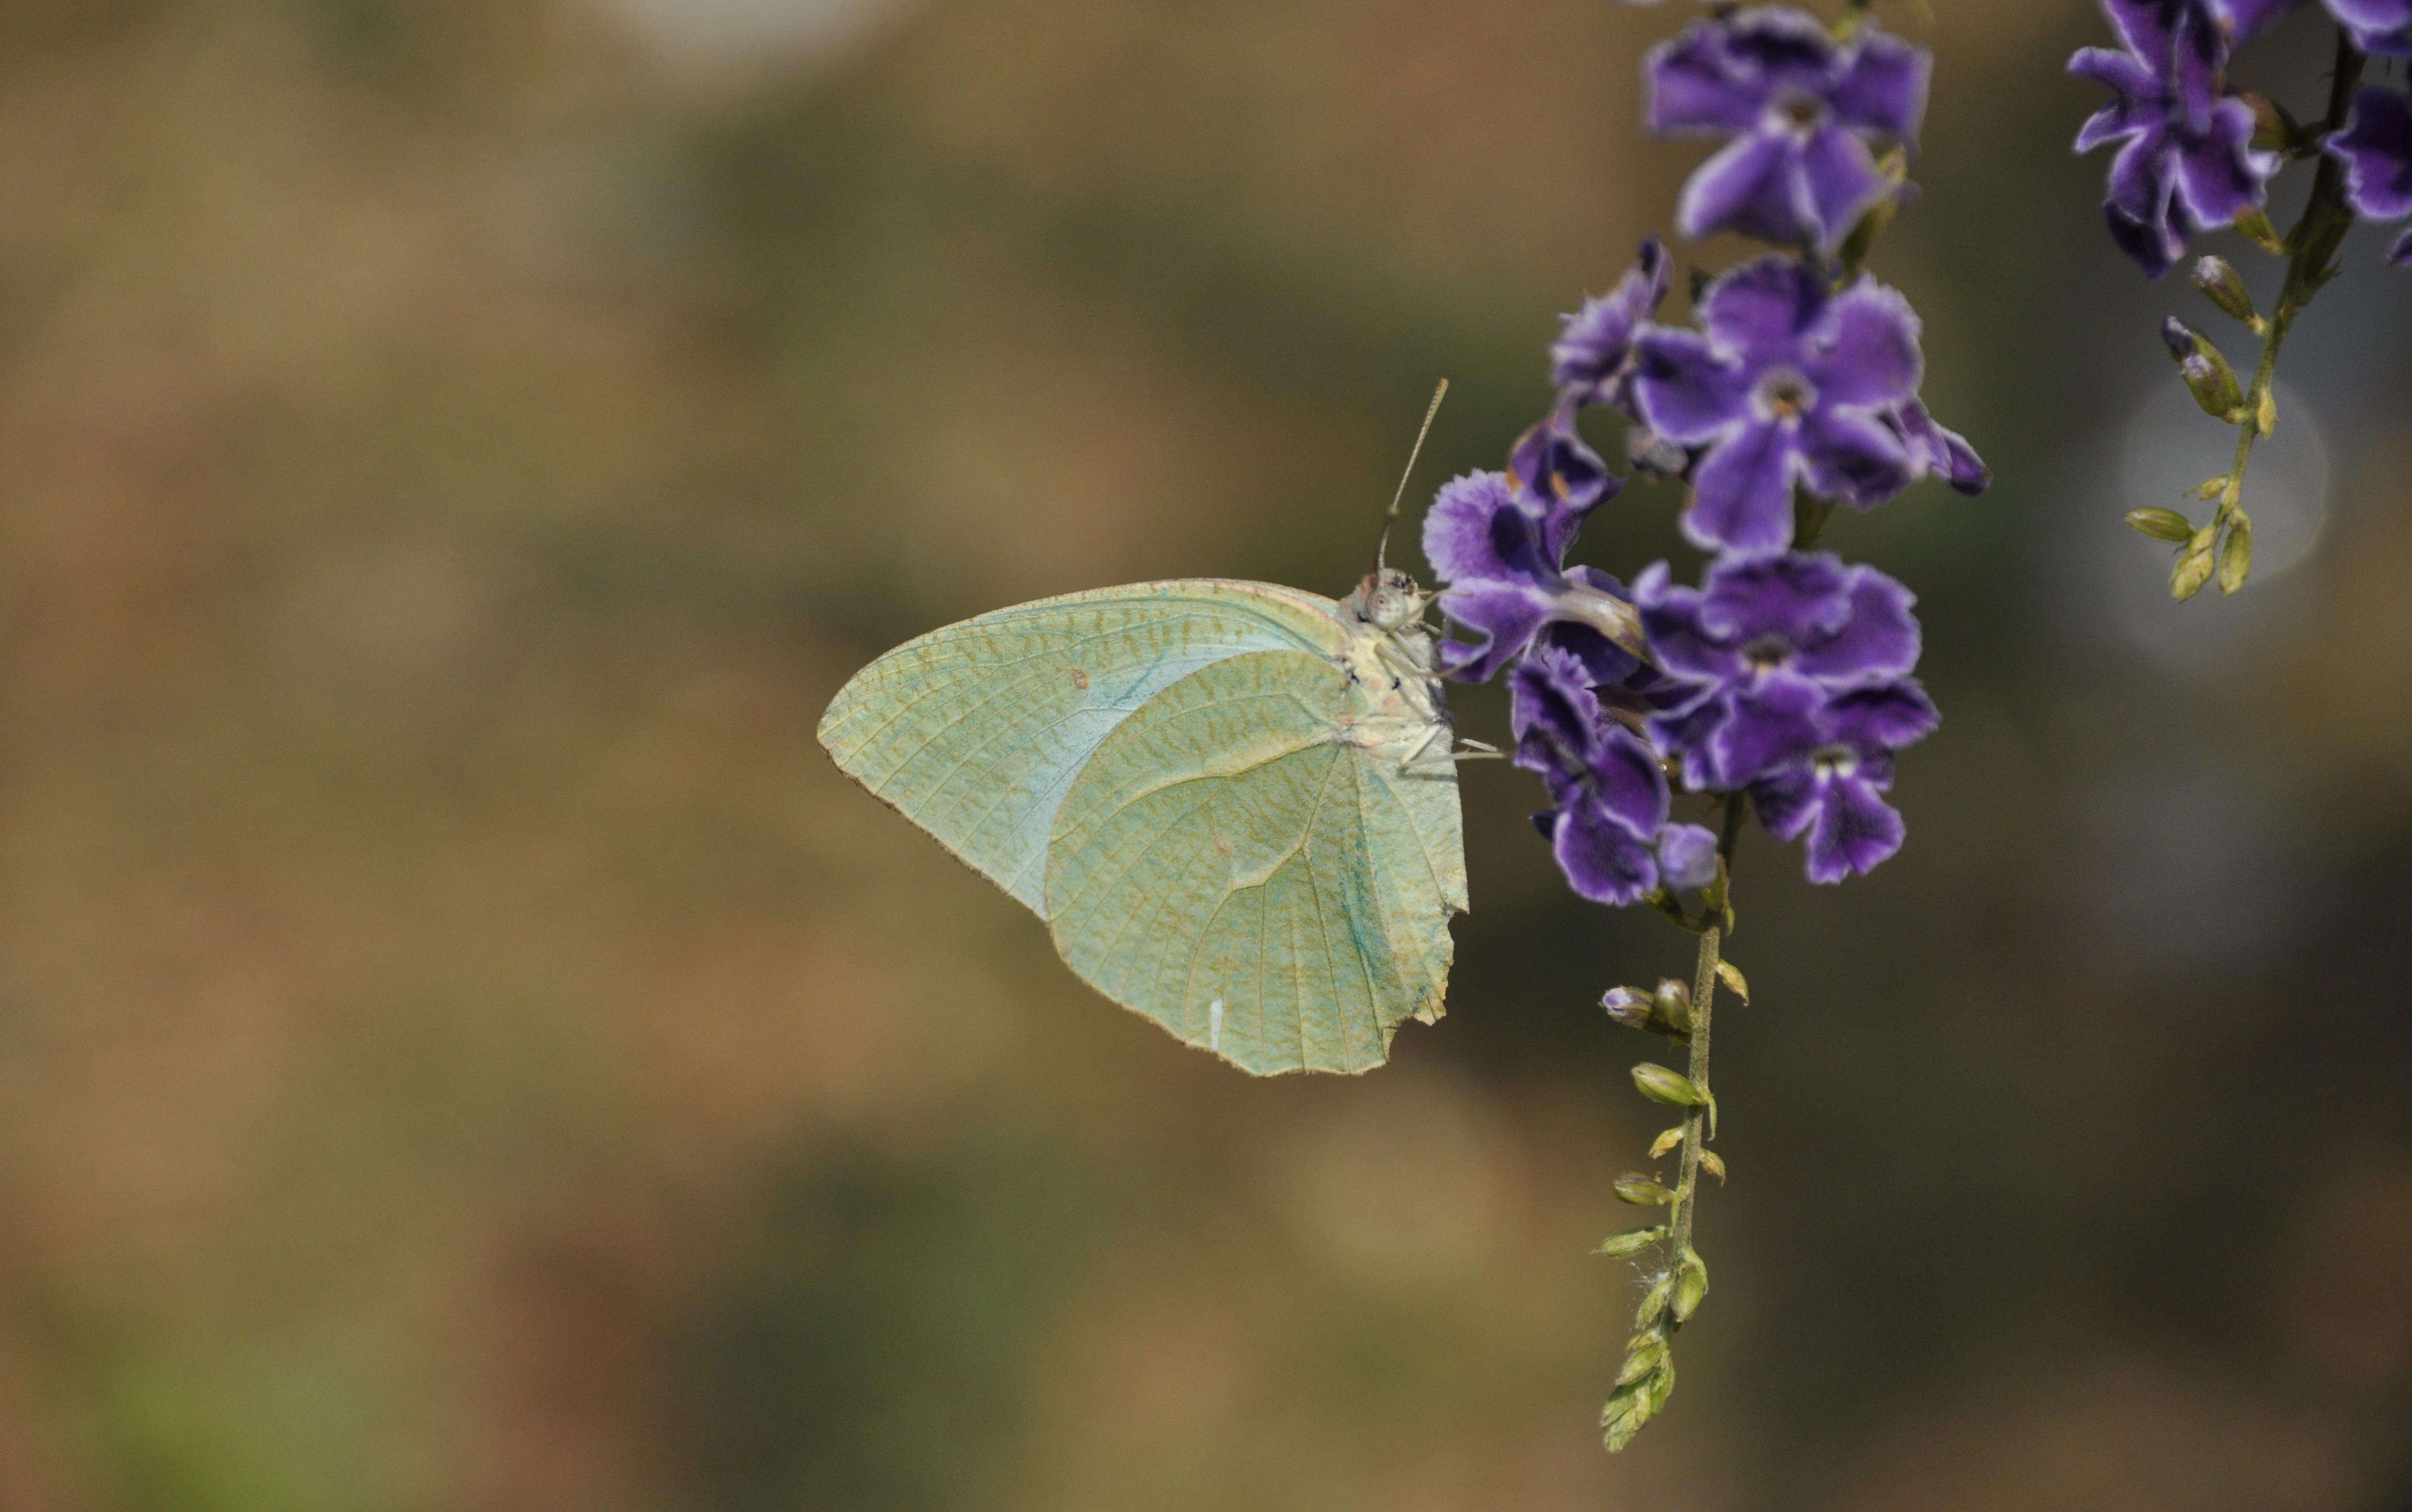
<point x="1233" y="803"/>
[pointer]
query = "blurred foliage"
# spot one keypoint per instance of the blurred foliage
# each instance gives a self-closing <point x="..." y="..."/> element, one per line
<point x="462" y="1047"/>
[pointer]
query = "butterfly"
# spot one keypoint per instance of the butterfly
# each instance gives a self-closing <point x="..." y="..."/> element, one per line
<point x="1233" y="803"/>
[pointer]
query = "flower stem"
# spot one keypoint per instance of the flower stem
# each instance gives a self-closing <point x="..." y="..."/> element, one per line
<point x="1704" y="992"/>
<point x="2311" y="248"/>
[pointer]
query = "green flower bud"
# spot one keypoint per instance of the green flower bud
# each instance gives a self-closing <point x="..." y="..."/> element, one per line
<point x="2193" y="567"/>
<point x="2255" y="226"/>
<point x="2207" y="375"/>
<point x="2236" y="553"/>
<point x="1632" y="1241"/>
<point x="2224" y="286"/>
<point x="1691" y="1285"/>
<point x="1641" y="1192"/>
<point x="1653" y="1302"/>
<point x="1644" y="1360"/>
<point x="2161" y="524"/>
<point x="1674" y="1088"/>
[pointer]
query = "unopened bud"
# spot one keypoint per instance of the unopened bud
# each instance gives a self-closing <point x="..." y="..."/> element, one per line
<point x="2224" y="286"/>
<point x="2207" y="375"/>
<point x="1641" y="1192"/>
<point x="2265" y="416"/>
<point x="1632" y="1241"/>
<point x="1671" y="1006"/>
<point x="1646" y="1356"/>
<point x="2193" y="567"/>
<point x="2236" y="553"/>
<point x="1691" y="1285"/>
<point x="2254" y="225"/>
<point x="1653" y="1301"/>
<point x="1672" y="1088"/>
<point x="2161" y="524"/>
<point x="1629" y="1007"/>
<point x="1662" y="1386"/>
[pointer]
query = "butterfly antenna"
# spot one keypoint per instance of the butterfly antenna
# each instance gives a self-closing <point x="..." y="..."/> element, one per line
<point x="1382" y="547"/>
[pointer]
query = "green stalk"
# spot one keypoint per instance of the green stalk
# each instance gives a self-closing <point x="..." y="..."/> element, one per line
<point x="2312" y="247"/>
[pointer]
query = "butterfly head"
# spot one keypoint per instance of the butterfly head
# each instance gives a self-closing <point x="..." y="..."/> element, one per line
<point x="1388" y="601"/>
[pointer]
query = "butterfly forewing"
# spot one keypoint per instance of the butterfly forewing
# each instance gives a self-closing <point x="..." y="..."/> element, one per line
<point x="976" y="732"/>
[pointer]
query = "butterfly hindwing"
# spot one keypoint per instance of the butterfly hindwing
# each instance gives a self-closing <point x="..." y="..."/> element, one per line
<point x="1234" y="865"/>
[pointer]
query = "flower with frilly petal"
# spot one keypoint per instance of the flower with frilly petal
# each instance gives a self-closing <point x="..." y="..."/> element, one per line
<point x="1607" y="823"/>
<point x="1789" y="383"/>
<point x="1593" y="355"/>
<point x="1759" y="648"/>
<point x="2186" y="161"/>
<point x="1796" y="670"/>
<point x="1801" y="109"/>
<point x="2376" y="148"/>
<point x="1832" y="789"/>
<point x="1500" y="551"/>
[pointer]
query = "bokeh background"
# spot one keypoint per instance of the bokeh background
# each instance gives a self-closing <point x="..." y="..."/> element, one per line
<point x="463" y="1047"/>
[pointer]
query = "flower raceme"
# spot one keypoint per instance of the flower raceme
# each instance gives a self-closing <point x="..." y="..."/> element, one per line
<point x="1783" y="685"/>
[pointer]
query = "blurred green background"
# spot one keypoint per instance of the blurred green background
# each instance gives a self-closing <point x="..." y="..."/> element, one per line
<point x="462" y="1046"/>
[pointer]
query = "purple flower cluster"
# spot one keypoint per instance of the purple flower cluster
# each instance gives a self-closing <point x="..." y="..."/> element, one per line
<point x="1785" y="679"/>
<point x="2188" y="161"/>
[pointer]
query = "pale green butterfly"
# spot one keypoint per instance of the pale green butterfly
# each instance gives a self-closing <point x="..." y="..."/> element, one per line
<point x="1234" y="804"/>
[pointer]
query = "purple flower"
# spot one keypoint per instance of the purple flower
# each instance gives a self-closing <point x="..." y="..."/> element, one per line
<point x="2186" y="162"/>
<point x="2376" y="148"/>
<point x="1593" y="355"/>
<point x="2379" y="26"/>
<point x="1501" y="549"/>
<point x="1758" y="647"/>
<point x="1797" y="689"/>
<point x="1790" y="383"/>
<point x="1800" y="110"/>
<point x="1607" y="822"/>
<point x="1833" y="788"/>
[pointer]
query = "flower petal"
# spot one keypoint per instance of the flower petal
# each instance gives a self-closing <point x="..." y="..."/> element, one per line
<point x="1752" y="185"/>
<point x="1762" y="310"/>
<point x="1694" y="86"/>
<point x="1460" y="538"/>
<point x="1798" y="598"/>
<point x="1687" y="857"/>
<point x="1839" y="183"/>
<point x="1603" y="862"/>
<point x="1771" y="725"/>
<point x="2220" y="177"/>
<point x="1881" y="635"/>
<point x="1504" y="618"/>
<point x="1741" y="496"/>
<point x="1855" y="458"/>
<point x="1865" y="350"/>
<point x="1851" y="829"/>
<point x="1883" y="88"/>
<point x="1686" y="390"/>
<point x="2376" y="148"/>
<point x="1881" y="717"/>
